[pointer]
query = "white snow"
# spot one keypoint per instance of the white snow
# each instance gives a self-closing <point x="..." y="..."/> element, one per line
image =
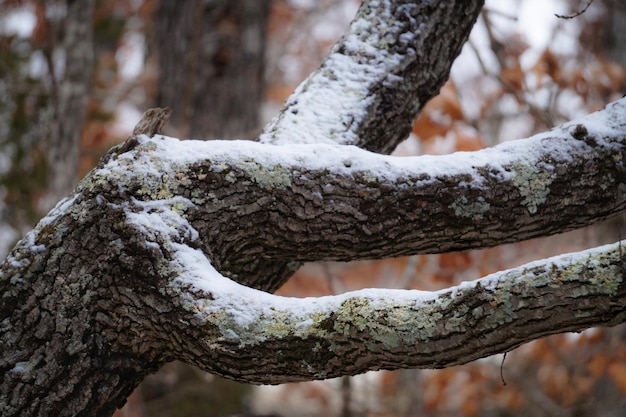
<point x="347" y="160"/>
<point x="332" y="99"/>
<point x="239" y="310"/>
<point x="58" y="210"/>
<point x="211" y="293"/>
<point x="246" y="306"/>
<point x="20" y="367"/>
<point x="156" y="218"/>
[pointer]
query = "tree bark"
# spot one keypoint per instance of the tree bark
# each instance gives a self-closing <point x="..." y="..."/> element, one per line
<point x="395" y="56"/>
<point x="283" y="340"/>
<point x="119" y="279"/>
<point x="138" y="266"/>
<point x="261" y="212"/>
<point x="211" y="56"/>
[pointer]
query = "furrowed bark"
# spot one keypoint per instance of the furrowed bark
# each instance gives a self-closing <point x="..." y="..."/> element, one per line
<point x="260" y="213"/>
<point x="107" y="320"/>
<point x="105" y="323"/>
<point x="98" y="294"/>
<point x="263" y="339"/>
<point x="131" y="271"/>
<point x="70" y="296"/>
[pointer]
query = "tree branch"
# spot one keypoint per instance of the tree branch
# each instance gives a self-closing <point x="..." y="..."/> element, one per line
<point x="257" y="207"/>
<point x="123" y="276"/>
<point x="380" y="74"/>
<point x="256" y="337"/>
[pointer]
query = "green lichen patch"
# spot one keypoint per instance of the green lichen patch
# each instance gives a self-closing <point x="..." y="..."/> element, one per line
<point x="474" y="210"/>
<point x="603" y="280"/>
<point x="269" y="177"/>
<point x="533" y="184"/>
<point x="279" y="325"/>
<point x="368" y="179"/>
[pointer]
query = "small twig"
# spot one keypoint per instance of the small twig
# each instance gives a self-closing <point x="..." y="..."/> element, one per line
<point x="561" y="16"/>
<point x="502" y="369"/>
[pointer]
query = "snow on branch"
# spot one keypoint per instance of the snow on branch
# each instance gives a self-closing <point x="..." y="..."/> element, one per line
<point x="389" y="63"/>
<point x="250" y="201"/>
<point x="316" y="338"/>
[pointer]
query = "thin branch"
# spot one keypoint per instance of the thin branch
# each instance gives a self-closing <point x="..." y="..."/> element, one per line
<point x="578" y="13"/>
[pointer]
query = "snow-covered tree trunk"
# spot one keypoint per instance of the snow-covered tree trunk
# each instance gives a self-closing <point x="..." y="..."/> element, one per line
<point x="169" y="249"/>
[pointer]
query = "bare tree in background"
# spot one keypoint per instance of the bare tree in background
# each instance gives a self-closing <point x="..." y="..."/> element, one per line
<point x="70" y="83"/>
<point x="211" y="65"/>
<point x="43" y="110"/>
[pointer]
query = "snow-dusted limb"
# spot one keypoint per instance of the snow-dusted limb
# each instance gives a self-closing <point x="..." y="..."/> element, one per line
<point x="122" y="277"/>
<point x="256" y="337"/>
<point x="389" y="63"/>
<point x="260" y="210"/>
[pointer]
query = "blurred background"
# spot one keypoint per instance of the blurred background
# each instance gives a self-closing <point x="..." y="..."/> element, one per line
<point x="75" y="77"/>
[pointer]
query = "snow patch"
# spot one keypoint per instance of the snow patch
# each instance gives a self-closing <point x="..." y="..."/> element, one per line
<point x="333" y="101"/>
<point x="212" y="295"/>
<point x="162" y="218"/>
<point x="529" y="163"/>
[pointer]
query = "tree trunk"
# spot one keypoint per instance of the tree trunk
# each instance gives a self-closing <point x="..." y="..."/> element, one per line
<point x="42" y="111"/>
<point x="70" y="95"/>
<point x="211" y="60"/>
<point x="139" y="266"/>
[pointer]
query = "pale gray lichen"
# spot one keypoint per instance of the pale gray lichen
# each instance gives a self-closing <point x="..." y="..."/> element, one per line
<point x="605" y="181"/>
<point x="231" y="177"/>
<point x="605" y="280"/>
<point x="533" y="184"/>
<point x="463" y="208"/>
<point x="270" y="177"/>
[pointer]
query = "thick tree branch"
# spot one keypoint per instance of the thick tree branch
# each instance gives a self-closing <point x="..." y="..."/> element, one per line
<point x="285" y="339"/>
<point x="390" y="62"/>
<point x="258" y="207"/>
<point x="152" y="296"/>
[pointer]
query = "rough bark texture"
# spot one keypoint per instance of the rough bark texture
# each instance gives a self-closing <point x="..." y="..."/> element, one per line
<point x="131" y="271"/>
<point x="64" y="316"/>
<point x="462" y="324"/>
<point x="395" y="56"/>
<point x="92" y="298"/>
<point x="211" y="56"/>
<point x="260" y="219"/>
<point x="211" y="65"/>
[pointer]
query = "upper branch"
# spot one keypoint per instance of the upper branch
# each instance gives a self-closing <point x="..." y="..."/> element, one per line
<point x="394" y="57"/>
<point x="256" y="205"/>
